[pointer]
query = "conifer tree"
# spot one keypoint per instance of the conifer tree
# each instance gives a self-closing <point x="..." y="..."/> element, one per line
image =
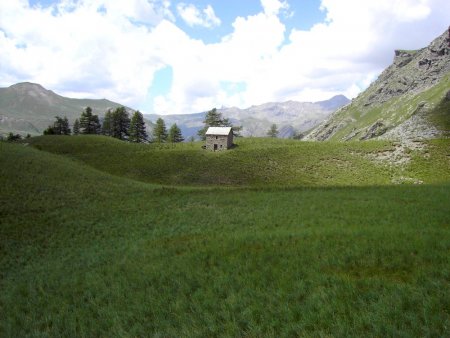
<point x="107" y="123"/>
<point x="76" y="127"/>
<point x="137" y="130"/>
<point x="273" y="131"/>
<point x="59" y="127"/>
<point x="175" y="135"/>
<point x="13" y="137"/>
<point x="120" y="123"/>
<point x="214" y="118"/>
<point x="160" y="131"/>
<point x="89" y="123"/>
<point x="65" y="130"/>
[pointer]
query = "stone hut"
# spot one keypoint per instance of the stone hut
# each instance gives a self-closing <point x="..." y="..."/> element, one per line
<point x="219" y="138"/>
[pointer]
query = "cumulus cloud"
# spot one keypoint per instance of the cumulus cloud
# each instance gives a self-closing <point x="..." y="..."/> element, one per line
<point x="90" y="48"/>
<point x="274" y="7"/>
<point x="112" y="49"/>
<point x="196" y="17"/>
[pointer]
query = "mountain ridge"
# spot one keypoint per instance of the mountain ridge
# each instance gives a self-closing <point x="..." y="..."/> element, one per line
<point x="401" y="103"/>
<point x="28" y="107"/>
<point x="290" y="116"/>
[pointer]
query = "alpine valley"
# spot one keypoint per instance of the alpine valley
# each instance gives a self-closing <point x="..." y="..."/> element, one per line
<point x="30" y="108"/>
<point x="349" y="237"/>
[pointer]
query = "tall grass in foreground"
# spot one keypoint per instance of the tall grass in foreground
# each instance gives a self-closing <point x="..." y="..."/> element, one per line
<point x="84" y="253"/>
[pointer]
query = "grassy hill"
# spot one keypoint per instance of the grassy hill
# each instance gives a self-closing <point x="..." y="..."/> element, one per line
<point x="90" y="245"/>
<point x="255" y="161"/>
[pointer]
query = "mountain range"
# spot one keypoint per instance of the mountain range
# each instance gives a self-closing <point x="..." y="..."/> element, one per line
<point x="409" y="100"/>
<point x="290" y="117"/>
<point x="30" y="108"/>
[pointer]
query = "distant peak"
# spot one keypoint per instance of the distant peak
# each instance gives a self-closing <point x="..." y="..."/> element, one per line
<point x="340" y="96"/>
<point x="27" y="85"/>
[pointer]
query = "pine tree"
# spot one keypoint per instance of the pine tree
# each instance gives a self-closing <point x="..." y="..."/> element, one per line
<point x="214" y="118"/>
<point x="107" y="123"/>
<point x="160" y="131"/>
<point x="13" y="137"/>
<point x="175" y="135"/>
<point x="65" y="130"/>
<point x="76" y="127"/>
<point x="273" y="131"/>
<point x="137" y="130"/>
<point x="96" y="125"/>
<point x="85" y="121"/>
<point x="120" y="123"/>
<point x="89" y="123"/>
<point x="59" y="127"/>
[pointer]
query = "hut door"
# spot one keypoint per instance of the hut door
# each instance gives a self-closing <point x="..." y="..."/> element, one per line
<point x="215" y="147"/>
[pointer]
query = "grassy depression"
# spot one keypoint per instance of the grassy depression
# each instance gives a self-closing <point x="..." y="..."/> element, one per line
<point x="87" y="250"/>
<point x="253" y="162"/>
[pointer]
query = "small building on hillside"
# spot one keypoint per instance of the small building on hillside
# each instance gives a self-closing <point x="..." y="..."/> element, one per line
<point x="219" y="138"/>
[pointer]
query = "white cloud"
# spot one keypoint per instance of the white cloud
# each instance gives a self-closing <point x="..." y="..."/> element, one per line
<point x="273" y="7"/>
<point x="81" y="49"/>
<point x="195" y="17"/>
<point x="112" y="49"/>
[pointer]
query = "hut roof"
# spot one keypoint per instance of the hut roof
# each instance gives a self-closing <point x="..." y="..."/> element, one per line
<point x="218" y="131"/>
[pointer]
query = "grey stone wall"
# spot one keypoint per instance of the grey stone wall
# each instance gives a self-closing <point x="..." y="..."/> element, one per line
<point x="219" y="142"/>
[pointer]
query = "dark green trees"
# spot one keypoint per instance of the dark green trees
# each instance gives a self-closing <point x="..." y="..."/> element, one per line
<point x="273" y="131"/>
<point x="89" y="123"/>
<point x="116" y="123"/>
<point x="76" y="127"/>
<point x="175" y="135"/>
<point x="137" y="130"/>
<point x="160" y="131"/>
<point x="107" y="124"/>
<point x="59" y="127"/>
<point x="214" y="118"/>
<point x="13" y="137"/>
<point x="120" y="123"/>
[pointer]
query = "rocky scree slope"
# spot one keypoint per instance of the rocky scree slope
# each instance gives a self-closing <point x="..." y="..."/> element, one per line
<point x="400" y="104"/>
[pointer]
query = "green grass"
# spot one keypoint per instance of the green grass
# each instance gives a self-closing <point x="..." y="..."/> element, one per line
<point x="254" y="162"/>
<point x="88" y="250"/>
<point x="440" y="116"/>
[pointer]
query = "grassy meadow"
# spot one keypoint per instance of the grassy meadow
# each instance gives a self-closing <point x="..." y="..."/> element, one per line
<point x="275" y="238"/>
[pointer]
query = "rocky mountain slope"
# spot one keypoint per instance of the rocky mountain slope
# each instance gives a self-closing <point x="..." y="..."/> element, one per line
<point x="291" y="117"/>
<point x="408" y="100"/>
<point x="30" y="108"/>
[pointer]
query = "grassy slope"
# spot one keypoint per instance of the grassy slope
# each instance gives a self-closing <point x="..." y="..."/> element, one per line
<point x="392" y="112"/>
<point x="254" y="162"/>
<point x="84" y="253"/>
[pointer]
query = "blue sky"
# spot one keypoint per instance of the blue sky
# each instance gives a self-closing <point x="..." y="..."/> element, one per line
<point x="302" y="14"/>
<point x="166" y="56"/>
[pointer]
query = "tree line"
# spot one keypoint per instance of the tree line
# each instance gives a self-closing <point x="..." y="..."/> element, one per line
<point x="118" y="124"/>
